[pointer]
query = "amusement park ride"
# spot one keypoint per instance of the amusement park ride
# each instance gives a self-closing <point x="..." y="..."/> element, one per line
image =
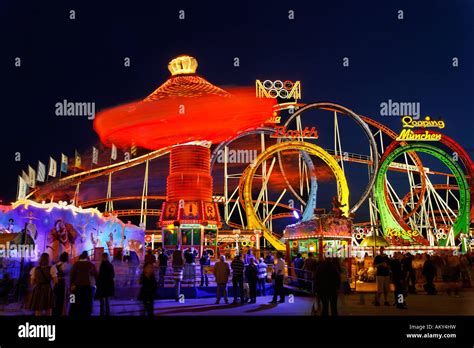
<point x="209" y="202"/>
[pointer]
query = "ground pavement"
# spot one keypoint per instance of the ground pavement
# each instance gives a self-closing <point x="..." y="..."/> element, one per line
<point x="349" y="305"/>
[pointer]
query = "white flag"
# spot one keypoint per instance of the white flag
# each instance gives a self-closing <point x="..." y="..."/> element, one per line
<point x="52" y="167"/>
<point x="25" y="176"/>
<point x="31" y="177"/>
<point x="41" y="172"/>
<point x="22" y="188"/>
<point x="63" y="163"/>
<point x="95" y="155"/>
<point x="113" y="154"/>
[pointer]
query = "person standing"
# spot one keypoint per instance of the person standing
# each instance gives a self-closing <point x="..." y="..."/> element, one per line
<point x="251" y="273"/>
<point x="205" y="262"/>
<point x="221" y="273"/>
<point x="177" y="262"/>
<point x="279" y="276"/>
<point x="237" y="266"/>
<point x="42" y="278"/>
<point x="262" y="276"/>
<point x="149" y="257"/>
<point x="298" y="263"/>
<point x="163" y="264"/>
<point x="309" y="270"/>
<point x="429" y="272"/>
<point x="60" y="288"/>
<point x="190" y="267"/>
<point x="328" y="282"/>
<point x="105" y="284"/>
<point x="81" y="273"/>
<point x="399" y="281"/>
<point x="248" y="256"/>
<point x="382" y="276"/>
<point x="148" y="289"/>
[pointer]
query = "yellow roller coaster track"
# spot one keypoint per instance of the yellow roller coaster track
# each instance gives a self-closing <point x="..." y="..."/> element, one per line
<point x="246" y="180"/>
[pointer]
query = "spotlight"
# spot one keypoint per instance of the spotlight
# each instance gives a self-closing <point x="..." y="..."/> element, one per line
<point x="296" y="215"/>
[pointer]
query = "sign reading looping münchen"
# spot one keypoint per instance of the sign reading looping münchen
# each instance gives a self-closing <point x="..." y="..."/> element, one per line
<point x="408" y="123"/>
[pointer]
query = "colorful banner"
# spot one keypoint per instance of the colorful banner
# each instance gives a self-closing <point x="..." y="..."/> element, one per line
<point x="52" y="167"/>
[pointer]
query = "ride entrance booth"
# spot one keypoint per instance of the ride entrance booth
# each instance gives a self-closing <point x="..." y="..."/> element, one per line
<point x="231" y="242"/>
<point x="324" y="236"/>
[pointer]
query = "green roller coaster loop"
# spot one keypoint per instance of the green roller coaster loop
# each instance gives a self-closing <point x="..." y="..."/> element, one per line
<point x="461" y="224"/>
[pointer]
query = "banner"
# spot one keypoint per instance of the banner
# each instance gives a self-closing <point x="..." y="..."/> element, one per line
<point x="22" y="188"/>
<point x="31" y="177"/>
<point x="77" y="160"/>
<point x="41" y="172"/>
<point x="52" y="167"/>
<point x="113" y="153"/>
<point x="63" y="163"/>
<point x="25" y="176"/>
<point x="95" y="155"/>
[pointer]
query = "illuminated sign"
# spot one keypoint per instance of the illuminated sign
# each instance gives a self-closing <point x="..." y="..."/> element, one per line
<point x="407" y="134"/>
<point x="392" y="232"/>
<point x="278" y="89"/>
<point x="307" y="133"/>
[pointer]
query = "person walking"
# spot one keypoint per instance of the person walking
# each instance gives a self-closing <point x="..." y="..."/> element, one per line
<point x="251" y="273"/>
<point x="279" y="277"/>
<point x="105" y="284"/>
<point x="81" y="273"/>
<point x="429" y="272"/>
<point x="61" y="287"/>
<point x="262" y="276"/>
<point x="177" y="262"/>
<point x="382" y="277"/>
<point x="205" y="262"/>
<point x="163" y="265"/>
<point x="42" y="278"/>
<point x="237" y="266"/>
<point x="221" y="273"/>
<point x="148" y="289"/>
<point x="328" y="282"/>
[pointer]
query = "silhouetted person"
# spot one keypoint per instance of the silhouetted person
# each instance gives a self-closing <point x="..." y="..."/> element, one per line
<point x="148" y="289"/>
<point x="279" y="277"/>
<point x="221" y="273"/>
<point x="398" y="279"/>
<point x="205" y="262"/>
<point x="61" y="287"/>
<point x="105" y="284"/>
<point x="42" y="278"/>
<point x="262" y="276"/>
<point x="251" y="272"/>
<point x="237" y="266"/>
<point x="429" y="272"/>
<point x="81" y="273"/>
<point x="163" y="263"/>
<point x="328" y="282"/>
<point x="177" y="261"/>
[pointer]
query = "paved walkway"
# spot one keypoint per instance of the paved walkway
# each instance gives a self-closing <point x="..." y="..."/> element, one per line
<point x="349" y="305"/>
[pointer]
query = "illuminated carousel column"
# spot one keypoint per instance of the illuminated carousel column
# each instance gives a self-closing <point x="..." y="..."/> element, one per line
<point x="189" y="208"/>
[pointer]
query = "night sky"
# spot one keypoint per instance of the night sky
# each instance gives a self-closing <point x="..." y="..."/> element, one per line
<point x="82" y="60"/>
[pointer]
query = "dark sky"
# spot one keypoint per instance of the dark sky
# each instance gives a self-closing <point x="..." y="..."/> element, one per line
<point x="82" y="60"/>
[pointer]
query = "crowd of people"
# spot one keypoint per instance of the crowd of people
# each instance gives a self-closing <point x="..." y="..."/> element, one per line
<point x="70" y="289"/>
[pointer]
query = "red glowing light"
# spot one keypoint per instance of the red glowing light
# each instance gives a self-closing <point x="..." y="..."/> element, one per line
<point x="177" y="120"/>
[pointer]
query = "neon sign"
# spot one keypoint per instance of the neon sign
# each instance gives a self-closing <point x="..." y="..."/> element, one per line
<point x="278" y="89"/>
<point x="409" y="135"/>
<point x="307" y="133"/>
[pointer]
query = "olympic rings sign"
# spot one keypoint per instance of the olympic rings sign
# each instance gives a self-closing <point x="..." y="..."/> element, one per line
<point x="361" y="232"/>
<point x="440" y="233"/>
<point x="278" y="89"/>
<point x="247" y="244"/>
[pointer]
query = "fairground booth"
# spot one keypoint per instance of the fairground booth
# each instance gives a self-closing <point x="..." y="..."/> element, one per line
<point x="324" y="236"/>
